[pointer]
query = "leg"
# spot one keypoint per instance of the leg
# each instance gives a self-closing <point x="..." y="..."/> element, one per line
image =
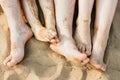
<point x="82" y="35"/>
<point x="49" y="13"/>
<point x="64" y="19"/>
<point x="41" y="33"/>
<point x="105" y="10"/>
<point x="19" y="31"/>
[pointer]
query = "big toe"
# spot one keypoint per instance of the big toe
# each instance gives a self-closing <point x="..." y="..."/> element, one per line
<point x="103" y="68"/>
<point x="53" y="46"/>
<point x="54" y="41"/>
<point x="11" y="63"/>
<point x="83" y="56"/>
<point x="85" y="61"/>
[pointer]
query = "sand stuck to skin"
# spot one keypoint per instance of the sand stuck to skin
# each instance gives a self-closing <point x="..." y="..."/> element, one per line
<point x="41" y="63"/>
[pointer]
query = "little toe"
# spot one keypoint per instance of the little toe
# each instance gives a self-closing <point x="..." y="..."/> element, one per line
<point x="7" y="60"/>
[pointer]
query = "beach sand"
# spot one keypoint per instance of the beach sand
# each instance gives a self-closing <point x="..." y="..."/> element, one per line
<point x="41" y="63"/>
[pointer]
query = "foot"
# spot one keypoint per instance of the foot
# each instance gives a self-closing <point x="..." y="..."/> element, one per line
<point x="99" y="45"/>
<point x="97" y="65"/>
<point x="18" y="39"/>
<point x="45" y="35"/>
<point x="83" y="40"/>
<point x="67" y="48"/>
<point x="96" y="58"/>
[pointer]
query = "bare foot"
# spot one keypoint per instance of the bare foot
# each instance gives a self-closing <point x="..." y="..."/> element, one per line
<point x="41" y="33"/>
<point x="18" y="40"/>
<point x="99" y="45"/>
<point x="97" y="61"/>
<point x="67" y="48"/>
<point x="83" y="40"/>
<point x="46" y="35"/>
<point x="97" y="65"/>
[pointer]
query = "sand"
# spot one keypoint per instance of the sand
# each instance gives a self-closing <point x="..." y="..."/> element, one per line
<point x="41" y="63"/>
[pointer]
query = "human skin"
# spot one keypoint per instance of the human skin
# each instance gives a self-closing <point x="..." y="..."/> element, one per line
<point x="82" y="33"/>
<point x="47" y="33"/>
<point x="20" y="33"/>
<point x="64" y="18"/>
<point x="105" y="10"/>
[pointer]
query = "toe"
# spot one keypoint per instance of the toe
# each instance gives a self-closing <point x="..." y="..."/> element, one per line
<point x="88" y="51"/>
<point x="46" y="39"/>
<point x="103" y="68"/>
<point x="53" y="41"/>
<point x="53" y="33"/>
<point x="80" y="48"/>
<point x="57" y="40"/>
<point x="11" y="63"/>
<point x="83" y="56"/>
<point x="50" y="37"/>
<point x="53" y="46"/>
<point x="82" y="59"/>
<point x="83" y="49"/>
<point x="7" y="60"/>
<point x="85" y="61"/>
<point x="95" y="65"/>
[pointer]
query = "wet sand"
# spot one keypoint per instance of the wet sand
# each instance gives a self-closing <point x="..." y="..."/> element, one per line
<point x="41" y="63"/>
